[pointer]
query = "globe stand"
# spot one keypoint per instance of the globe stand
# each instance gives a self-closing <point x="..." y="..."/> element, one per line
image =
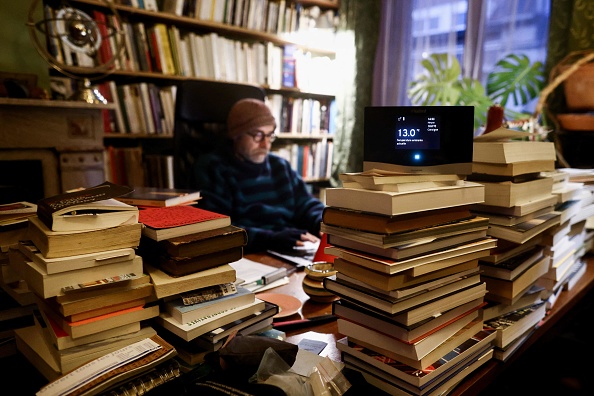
<point x="87" y="93"/>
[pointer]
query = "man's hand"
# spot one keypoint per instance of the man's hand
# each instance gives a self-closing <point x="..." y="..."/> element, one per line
<point x="307" y="237"/>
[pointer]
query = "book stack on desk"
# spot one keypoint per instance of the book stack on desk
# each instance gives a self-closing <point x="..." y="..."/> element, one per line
<point x="567" y="242"/>
<point x="521" y="206"/>
<point x="187" y="253"/>
<point x="87" y="280"/>
<point x="408" y="279"/>
<point x="13" y="228"/>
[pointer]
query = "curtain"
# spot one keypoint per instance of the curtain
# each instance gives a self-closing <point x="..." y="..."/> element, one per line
<point x="571" y="29"/>
<point x="357" y="39"/>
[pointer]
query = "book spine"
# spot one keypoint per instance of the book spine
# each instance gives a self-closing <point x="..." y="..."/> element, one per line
<point x="209" y="293"/>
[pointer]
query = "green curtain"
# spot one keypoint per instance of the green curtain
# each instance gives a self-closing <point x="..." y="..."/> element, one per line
<point x="571" y="28"/>
<point x="359" y="24"/>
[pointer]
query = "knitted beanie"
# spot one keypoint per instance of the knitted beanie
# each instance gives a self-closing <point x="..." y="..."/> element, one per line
<point x="247" y="115"/>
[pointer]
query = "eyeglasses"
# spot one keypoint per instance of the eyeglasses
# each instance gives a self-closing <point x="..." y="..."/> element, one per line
<point x="259" y="136"/>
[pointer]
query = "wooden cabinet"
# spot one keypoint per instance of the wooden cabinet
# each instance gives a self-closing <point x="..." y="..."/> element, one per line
<point x="276" y="44"/>
<point x="56" y="145"/>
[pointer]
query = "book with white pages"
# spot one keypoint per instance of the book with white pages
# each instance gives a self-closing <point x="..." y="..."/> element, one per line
<point x="411" y="290"/>
<point x="411" y="249"/>
<point x="69" y="263"/>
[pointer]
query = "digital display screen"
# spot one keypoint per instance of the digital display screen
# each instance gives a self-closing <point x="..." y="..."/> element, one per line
<point x="417" y="132"/>
<point x="419" y="139"/>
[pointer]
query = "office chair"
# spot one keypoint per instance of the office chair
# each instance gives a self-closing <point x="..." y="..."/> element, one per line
<point x="201" y="109"/>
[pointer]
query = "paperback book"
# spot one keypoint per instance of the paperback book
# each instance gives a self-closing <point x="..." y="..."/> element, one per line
<point x="185" y="313"/>
<point x="87" y="209"/>
<point x="358" y="314"/>
<point x="400" y="252"/>
<point x="54" y="244"/>
<point x="395" y="203"/>
<point x="190" y="330"/>
<point x="512" y="325"/>
<point x="397" y="239"/>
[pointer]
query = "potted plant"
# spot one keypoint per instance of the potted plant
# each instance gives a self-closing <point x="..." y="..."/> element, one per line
<point x="513" y="78"/>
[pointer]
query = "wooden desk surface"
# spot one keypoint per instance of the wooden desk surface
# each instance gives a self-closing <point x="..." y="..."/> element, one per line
<point x="472" y="384"/>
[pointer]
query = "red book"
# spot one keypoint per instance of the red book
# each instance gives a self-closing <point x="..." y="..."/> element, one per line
<point x="105" y="52"/>
<point x="169" y="222"/>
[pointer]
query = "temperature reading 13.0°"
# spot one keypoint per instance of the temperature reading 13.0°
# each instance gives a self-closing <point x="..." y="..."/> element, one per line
<point x="404" y="132"/>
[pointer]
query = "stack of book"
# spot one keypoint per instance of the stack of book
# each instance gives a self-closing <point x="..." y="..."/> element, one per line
<point x="88" y="282"/>
<point x="521" y="208"/>
<point x="566" y="243"/>
<point x="13" y="228"/>
<point x="188" y="251"/>
<point x="406" y="253"/>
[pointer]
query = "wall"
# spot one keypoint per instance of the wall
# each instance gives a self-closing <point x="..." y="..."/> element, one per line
<point x="17" y="53"/>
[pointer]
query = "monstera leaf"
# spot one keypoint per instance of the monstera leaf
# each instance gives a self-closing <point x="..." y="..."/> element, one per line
<point x="439" y="85"/>
<point x="516" y="77"/>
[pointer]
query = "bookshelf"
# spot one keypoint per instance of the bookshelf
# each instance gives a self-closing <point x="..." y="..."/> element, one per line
<point x="268" y="44"/>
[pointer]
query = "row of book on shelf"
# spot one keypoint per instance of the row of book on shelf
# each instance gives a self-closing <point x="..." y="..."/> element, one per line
<point x="161" y="48"/>
<point x="267" y="16"/>
<point x="438" y="274"/>
<point x="147" y="108"/>
<point x="148" y="269"/>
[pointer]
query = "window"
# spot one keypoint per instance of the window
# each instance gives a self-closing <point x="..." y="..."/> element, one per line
<point x="479" y="33"/>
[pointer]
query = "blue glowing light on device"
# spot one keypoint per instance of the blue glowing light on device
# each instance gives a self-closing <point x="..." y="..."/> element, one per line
<point x="417" y="157"/>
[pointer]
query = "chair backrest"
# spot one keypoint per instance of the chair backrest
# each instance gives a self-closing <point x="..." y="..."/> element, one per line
<point x="201" y="109"/>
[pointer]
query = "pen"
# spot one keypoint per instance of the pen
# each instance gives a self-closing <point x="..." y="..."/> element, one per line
<point x="270" y="277"/>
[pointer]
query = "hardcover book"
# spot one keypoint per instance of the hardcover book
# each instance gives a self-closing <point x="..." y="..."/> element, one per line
<point x="180" y="266"/>
<point x="395" y="203"/>
<point x="398" y="239"/>
<point x="204" y="242"/>
<point x="53" y="244"/>
<point x="383" y="224"/>
<point x="170" y="222"/>
<point x="87" y="209"/>
<point x="158" y="197"/>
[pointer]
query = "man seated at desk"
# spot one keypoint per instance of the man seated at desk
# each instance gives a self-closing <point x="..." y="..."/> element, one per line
<point x="258" y="189"/>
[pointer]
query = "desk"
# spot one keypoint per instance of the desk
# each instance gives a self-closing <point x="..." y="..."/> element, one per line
<point x="474" y="383"/>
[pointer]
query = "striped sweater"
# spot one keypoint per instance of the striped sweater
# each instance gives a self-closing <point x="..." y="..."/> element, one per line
<point x="261" y="198"/>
